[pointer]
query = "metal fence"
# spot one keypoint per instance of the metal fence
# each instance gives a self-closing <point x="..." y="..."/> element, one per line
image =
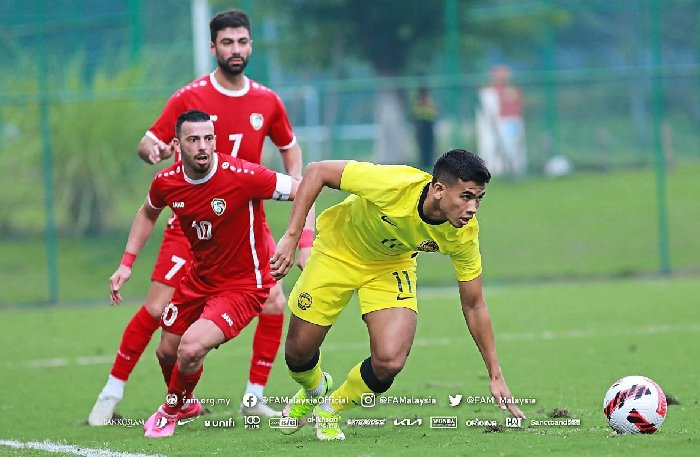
<point x="83" y="80"/>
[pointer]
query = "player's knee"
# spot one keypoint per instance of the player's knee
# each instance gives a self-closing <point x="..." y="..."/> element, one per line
<point x="293" y="357"/>
<point x="296" y="356"/>
<point x="301" y="361"/>
<point x="190" y="353"/>
<point x="155" y="308"/>
<point x="387" y="367"/>
<point x="166" y="354"/>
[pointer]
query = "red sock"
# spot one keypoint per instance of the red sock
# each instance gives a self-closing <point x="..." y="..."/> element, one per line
<point x="167" y="371"/>
<point x="181" y="385"/>
<point x="137" y="335"/>
<point x="266" y="342"/>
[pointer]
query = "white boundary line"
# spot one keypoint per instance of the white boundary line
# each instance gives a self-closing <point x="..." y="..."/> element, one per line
<point x="49" y="446"/>
<point x="543" y="335"/>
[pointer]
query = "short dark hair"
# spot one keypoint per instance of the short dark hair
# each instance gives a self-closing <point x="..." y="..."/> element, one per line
<point x="192" y="115"/>
<point x="232" y="18"/>
<point x="461" y="164"/>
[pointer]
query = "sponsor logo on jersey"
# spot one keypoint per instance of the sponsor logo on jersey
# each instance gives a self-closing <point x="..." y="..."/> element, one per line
<point x="386" y="219"/>
<point x="428" y="246"/>
<point x="304" y="301"/>
<point x="218" y="205"/>
<point x="256" y="121"/>
<point x="178" y="204"/>
<point x="228" y="319"/>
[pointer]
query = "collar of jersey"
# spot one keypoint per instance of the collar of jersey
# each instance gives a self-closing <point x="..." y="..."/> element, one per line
<point x="230" y="93"/>
<point x="205" y="178"/>
<point x="421" y="200"/>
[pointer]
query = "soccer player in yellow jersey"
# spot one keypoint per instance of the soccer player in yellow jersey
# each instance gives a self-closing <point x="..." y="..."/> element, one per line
<point x="369" y="243"/>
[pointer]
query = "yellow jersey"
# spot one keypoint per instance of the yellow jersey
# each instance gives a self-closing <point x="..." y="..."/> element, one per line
<point x="381" y="222"/>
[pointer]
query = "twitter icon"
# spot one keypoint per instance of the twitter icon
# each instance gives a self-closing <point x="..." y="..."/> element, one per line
<point x="455" y="400"/>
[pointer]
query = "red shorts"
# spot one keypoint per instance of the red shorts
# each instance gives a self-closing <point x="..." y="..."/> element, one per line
<point x="230" y="310"/>
<point x="174" y="258"/>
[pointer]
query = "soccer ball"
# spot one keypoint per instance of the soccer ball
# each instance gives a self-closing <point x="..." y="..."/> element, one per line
<point x="635" y="404"/>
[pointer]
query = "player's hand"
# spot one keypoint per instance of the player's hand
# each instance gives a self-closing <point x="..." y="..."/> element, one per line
<point x="504" y="399"/>
<point x="168" y="152"/>
<point x="303" y="257"/>
<point x="282" y="261"/>
<point x="158" y="152"/>
<point x="116" y="281"/>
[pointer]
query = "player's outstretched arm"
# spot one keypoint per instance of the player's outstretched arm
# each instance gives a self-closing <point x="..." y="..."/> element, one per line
<point x="141" y="229"/>
<point x="292" y="161"/>
<point x="318" y="175"/>
<point x="153" y="151"/>
<point x="478" y="320"/>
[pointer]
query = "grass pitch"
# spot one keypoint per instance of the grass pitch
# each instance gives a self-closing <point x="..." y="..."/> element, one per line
<point x="562" y="345"/>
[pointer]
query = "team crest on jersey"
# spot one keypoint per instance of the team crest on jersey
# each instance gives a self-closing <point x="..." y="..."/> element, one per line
<point x="256" y="121"/>
<point x="218" y="205"/>
<point x="304" y="301"/>
<point x="428" y="246"/>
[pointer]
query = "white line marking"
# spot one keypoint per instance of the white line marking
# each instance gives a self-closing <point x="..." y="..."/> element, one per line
<point x="48" y="446"/>
<point x="543" y="335"/>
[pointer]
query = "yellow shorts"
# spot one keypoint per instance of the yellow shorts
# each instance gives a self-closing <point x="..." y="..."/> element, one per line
<point x="327" y="284"/>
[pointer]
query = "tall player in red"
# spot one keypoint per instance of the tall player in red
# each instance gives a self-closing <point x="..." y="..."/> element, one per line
<point x="217" y="199"/>
<point x="244" y="112"/>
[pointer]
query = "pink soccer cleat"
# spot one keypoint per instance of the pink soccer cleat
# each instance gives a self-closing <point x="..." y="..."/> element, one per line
<point x="161" y="425"/>
<point x="188" y="413"/>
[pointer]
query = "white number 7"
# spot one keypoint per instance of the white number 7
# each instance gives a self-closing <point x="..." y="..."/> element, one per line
<point x="179" y="262"/>
<point x="236" y="138"/>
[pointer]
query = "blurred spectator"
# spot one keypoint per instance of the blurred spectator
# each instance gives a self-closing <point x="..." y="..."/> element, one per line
<point x="424" y="115"/>
<point x="500" y="125"/>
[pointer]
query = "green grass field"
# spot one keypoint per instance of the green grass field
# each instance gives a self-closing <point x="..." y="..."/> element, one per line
<point x="561" y="344"/>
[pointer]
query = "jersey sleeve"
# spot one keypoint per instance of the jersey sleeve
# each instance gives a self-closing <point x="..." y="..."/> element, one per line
<point x="156" y="195"/>
<point x="380" y="184"/>
<point x="163" y="128"/>
<point x="264" y="184"/>
<point x="466" y="258"/>
<point x="281" y="130"/>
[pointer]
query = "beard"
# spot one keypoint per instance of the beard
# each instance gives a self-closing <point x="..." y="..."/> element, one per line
<point x="232" y="69"/>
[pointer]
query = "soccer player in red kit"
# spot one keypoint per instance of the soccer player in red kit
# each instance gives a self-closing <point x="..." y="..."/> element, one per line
<point x="244" y="112"/>
<point x="217" y="199"/>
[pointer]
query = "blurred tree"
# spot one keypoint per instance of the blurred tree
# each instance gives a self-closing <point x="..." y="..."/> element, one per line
<point x="95" y="130"/>
<point x="395" y="38"/>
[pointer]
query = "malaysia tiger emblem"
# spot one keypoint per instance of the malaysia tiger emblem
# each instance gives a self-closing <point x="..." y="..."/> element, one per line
<point x="428" y="246"/>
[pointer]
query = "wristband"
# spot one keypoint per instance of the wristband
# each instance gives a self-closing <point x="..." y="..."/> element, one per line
<point x="307" y="238"/>
<point x="128" y="259"/>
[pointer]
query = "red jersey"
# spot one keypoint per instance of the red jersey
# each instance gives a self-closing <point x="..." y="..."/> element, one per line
<point x="221" y="215"/>
<point x="511" y="100"/>
<point x="241" y="118"/>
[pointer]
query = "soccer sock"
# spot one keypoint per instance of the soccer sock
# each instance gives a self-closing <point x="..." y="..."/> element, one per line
<point x="137" y="335"/>
<point x="255" y="389"/>
<point x="113" y="388"/>
<point x="181" y="385"/>
<point x="167" y="370"/>
<point x="266" y="342"/>
<point x="361" y="380"/>
<point x="309" y="376"/>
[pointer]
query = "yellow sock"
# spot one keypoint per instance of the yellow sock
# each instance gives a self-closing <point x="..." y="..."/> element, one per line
<point x="309" y="379"/>
<point x="349" y="394"/>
